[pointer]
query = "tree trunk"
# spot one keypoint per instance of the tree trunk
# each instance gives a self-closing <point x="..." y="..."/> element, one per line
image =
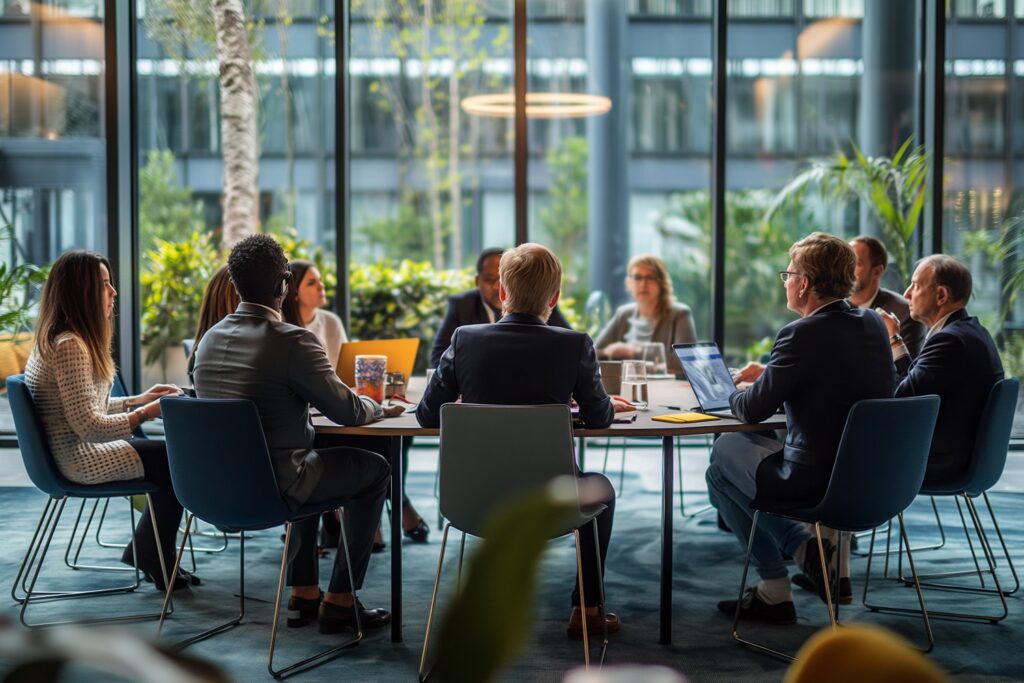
<point x="454" y="129"/>
<point x="238" y="102"/>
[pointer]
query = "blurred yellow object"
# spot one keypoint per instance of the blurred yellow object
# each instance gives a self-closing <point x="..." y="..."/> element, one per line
<point x="856" y="653"/>
<point x="14" y="352"/>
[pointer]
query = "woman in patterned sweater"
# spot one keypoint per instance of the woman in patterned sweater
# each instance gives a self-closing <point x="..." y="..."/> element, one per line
<point x="69" y="373"/>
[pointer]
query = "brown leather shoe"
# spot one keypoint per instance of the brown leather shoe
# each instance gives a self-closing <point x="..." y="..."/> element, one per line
<point x="594" y="630"/>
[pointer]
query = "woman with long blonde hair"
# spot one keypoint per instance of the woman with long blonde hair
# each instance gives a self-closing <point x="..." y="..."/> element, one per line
<point x="654" y="315"/>
<point x="70" y="373"/>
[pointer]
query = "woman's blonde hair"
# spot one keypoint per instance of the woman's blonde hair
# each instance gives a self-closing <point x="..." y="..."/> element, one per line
<point x="219" y="300"/>
<point x="72" y="302"/>
<point x="665" y="297"/>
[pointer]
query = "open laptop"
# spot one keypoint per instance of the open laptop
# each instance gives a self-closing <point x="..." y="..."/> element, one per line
<point x="401" y="355"/>
<point x="709" y="377"/>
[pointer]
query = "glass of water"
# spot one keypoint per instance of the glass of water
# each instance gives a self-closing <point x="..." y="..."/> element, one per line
<point x="634" y="383"/>
<point x="653" y="354"/>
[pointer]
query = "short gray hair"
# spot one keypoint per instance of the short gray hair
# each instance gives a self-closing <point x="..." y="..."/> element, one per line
<point x="951" y="273"/>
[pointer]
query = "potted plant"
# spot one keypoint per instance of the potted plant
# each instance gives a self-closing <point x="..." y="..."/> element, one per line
<point x="172" y="286"/>
<point x="19" y="284"/>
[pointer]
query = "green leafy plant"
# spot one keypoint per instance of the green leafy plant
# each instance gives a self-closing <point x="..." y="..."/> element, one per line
<point x="894" y="189"/>
<point x="487" y="623"/>
<point x="167" y="210"/>
<point x="19" y="284"/>
<point x="172" y="285"/>
<point x="407" y="299"/>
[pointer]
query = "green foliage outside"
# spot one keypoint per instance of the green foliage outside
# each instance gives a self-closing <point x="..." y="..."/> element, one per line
<point x="563" y="218"/>
<point x="894" y="190"/>
<point x="173" y="279"/>
<point x="405" y="299"/>
<point x="19" y="286"/>
<point x="166" y="209"/>
<point x="755" y="252"/>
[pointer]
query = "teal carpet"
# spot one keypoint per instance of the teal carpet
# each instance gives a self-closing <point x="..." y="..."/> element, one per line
<point x="707" y="569"/>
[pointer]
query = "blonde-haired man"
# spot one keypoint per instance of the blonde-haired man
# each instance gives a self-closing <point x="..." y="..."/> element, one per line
<point x="519" y="360"/>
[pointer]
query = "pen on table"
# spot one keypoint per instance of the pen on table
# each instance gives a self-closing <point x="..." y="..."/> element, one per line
<point x="672" y="407"/>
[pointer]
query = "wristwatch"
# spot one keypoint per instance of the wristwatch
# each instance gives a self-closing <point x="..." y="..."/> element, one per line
<point x="895" y="339"/>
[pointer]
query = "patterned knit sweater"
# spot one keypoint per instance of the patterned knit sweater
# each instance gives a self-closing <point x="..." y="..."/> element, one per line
<point x="86" y="428"/>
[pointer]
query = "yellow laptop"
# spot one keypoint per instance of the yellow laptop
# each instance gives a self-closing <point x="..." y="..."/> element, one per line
<point x="401" y="355"/>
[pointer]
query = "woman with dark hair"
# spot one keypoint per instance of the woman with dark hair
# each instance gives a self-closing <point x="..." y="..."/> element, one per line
<point x="303" y="306"/>
<point x="70" y="373"/>
<point x="219" y="299"/>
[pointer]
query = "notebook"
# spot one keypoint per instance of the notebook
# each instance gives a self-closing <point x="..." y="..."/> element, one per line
<point x="709" y="377"/>
<point x="683" y="418"/>
<point x="401" y="355"/>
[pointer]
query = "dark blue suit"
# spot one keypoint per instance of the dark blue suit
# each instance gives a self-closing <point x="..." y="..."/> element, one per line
<point x="467" y="308"/>
<point x="521" y="361"/>
<point x="820" y="366"/>
<point x="960" y="364"/>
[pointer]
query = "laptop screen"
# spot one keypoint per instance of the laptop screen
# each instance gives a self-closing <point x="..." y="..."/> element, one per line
<point x="708" y="375"/>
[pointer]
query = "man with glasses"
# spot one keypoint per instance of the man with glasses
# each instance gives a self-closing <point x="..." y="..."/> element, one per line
<point x="283" y="369"/>
<point x="801" y="376"/>
<point x="958" y="361"/>
<point x="479" y="305"/>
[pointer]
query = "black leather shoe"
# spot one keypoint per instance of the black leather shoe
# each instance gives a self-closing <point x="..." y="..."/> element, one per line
<point x="182" y="581"/>
<point x="812" y="565"/>
<point x="334" y="618"/>
<point x="419" y="533"/>
<point x="752" y="607"/>
<point x="301" y="611"/>
<point x="845" y="587"/>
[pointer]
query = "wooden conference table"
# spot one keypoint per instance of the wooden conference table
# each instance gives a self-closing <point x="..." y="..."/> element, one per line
<point x="662" y="393"/>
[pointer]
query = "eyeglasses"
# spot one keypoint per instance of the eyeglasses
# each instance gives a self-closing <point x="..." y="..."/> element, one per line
<point x="786" y="274"/>
<point x="644" y="278"/>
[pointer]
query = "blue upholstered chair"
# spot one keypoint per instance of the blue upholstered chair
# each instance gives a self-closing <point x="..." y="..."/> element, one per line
<point x="213" y="441"/>
<point x="42" y="470"/>
<point x="879" y="468"/>
<point x="986" y="467"/>
<point x="491" y="454"/>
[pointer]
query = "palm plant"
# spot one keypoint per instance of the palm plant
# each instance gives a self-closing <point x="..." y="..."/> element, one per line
<point x="894" y="190"/>
<point x="18" y="285"/>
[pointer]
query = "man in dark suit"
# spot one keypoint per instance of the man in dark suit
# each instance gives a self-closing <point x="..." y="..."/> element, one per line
<point x="801" y="376"/>
<point x="477" y="306"/>
<point x="868" y="292"/>
<point x="958" y="361"/>
<point x="283" y="369"/>
<point x="521" y="360"/>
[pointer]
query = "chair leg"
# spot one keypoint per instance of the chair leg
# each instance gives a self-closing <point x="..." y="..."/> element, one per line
<point x="601" y="604"/>
<point x="583" y="602"/>
<point x="739" y="599"/>
<point x="73" y="563"/>
<point x="1002" y="543"/>
<point x="701" y="509"/>
<point x="44" y="523"/>
<point x="462" y="557"/>
<point x="824" y="574"/>
<point x="424" y="673"/>
<point x="935" y="546"/>
<point x="34" y="567"/>
<point x="325" y="655"/>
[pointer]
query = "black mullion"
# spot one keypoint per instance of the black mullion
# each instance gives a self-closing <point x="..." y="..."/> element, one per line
<point x="521" y="139"/>
<point x="341" y="161"/>
<point x="720" y="24"/>
<point x="937" y="105"/>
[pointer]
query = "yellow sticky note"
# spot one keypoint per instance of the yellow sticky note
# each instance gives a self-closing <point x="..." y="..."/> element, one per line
<point x="678" y="418"/>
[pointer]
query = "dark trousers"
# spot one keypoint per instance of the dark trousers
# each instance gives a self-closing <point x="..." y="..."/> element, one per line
<point x="361" y="479"/>
<point x="593" y="587"/>
<point x="166" y="507"/>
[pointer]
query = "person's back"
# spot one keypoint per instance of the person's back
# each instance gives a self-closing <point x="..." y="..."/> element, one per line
<point x="521" y="361"/>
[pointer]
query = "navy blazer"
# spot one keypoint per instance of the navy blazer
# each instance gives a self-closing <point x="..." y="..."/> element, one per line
<point x="820" y="366"/>
<point x="960" y="364"/>
<point x="467" y="308"/>
<point x="518" y="361"/>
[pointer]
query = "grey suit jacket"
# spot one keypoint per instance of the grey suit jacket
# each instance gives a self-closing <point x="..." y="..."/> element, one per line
<point x="912" y="331"/>
<point x="283" y="370"/>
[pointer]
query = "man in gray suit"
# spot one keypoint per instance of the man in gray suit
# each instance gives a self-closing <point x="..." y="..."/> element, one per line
<point x="283" y="369"/>
<point x="868" y="292"/>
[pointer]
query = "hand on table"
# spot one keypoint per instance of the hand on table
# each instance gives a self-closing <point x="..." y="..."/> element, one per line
<point x="620" y="351"/>
<point x="156" y="391"/>
<point x="393" y="411"/>
<point x="749" y="373"/>
<point x="621" y="405"/>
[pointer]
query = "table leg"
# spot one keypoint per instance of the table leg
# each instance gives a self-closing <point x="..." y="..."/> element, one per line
<point x="395" y="456"/>
<point x="583" y="454"/>
<point x="667" y="518"/>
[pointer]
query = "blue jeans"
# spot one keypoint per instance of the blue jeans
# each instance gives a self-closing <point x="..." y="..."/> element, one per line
<point x="732" y="485"/>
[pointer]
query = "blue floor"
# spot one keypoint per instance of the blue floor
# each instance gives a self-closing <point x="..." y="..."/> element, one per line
<point x="707" y="569"/>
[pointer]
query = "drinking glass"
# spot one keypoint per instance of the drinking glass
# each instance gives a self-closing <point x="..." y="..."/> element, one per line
<point x="370" y="376"/>
<point x="653" y="354"/>
<point x="634" y="382"/>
